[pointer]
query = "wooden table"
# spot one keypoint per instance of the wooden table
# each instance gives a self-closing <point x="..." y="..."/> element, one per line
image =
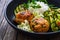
<point x="7" y="32"/>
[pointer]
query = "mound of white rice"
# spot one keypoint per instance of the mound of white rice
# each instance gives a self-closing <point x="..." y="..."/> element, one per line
<point x="24" y="26"/>
<point x="41" y="10"/>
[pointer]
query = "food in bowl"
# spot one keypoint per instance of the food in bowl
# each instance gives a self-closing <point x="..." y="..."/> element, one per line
<point x="37" y="16"/>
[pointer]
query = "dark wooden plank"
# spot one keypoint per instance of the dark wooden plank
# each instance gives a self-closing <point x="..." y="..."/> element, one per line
<point x="24" y="37"/>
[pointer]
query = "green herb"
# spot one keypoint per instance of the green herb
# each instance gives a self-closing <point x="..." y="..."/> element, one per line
<point x="45" y="1"/>
<point x="38" y="6"/>
<point x="52" y="6"/>
<point x="25" y="6"/>
<point x="29" y="1"/>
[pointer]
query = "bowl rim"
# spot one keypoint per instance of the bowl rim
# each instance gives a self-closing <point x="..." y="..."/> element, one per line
<point x="12" y="25"/>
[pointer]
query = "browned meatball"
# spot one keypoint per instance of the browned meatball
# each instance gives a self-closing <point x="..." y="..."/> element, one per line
<point x="25" y="15"/>
<point x="39" y="25"/>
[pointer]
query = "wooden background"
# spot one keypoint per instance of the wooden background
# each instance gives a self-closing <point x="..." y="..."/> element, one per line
<point x="7" y="32"/>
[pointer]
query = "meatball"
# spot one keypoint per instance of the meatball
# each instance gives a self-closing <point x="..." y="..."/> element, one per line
<point x="39" y="25"/>
<point x="24" y="15"/>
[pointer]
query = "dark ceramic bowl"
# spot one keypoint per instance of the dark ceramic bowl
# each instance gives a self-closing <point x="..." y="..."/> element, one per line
<point x="9" y="15"/>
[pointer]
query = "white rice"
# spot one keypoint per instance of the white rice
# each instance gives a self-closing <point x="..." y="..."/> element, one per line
<point x="24" y="26"/>
<point x="44" y="7"/>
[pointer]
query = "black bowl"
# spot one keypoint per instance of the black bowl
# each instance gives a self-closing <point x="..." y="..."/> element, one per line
<point x="9" y="15"/>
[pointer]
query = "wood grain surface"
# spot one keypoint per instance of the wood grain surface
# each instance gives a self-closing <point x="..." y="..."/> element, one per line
<point x="7" y="32"/>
